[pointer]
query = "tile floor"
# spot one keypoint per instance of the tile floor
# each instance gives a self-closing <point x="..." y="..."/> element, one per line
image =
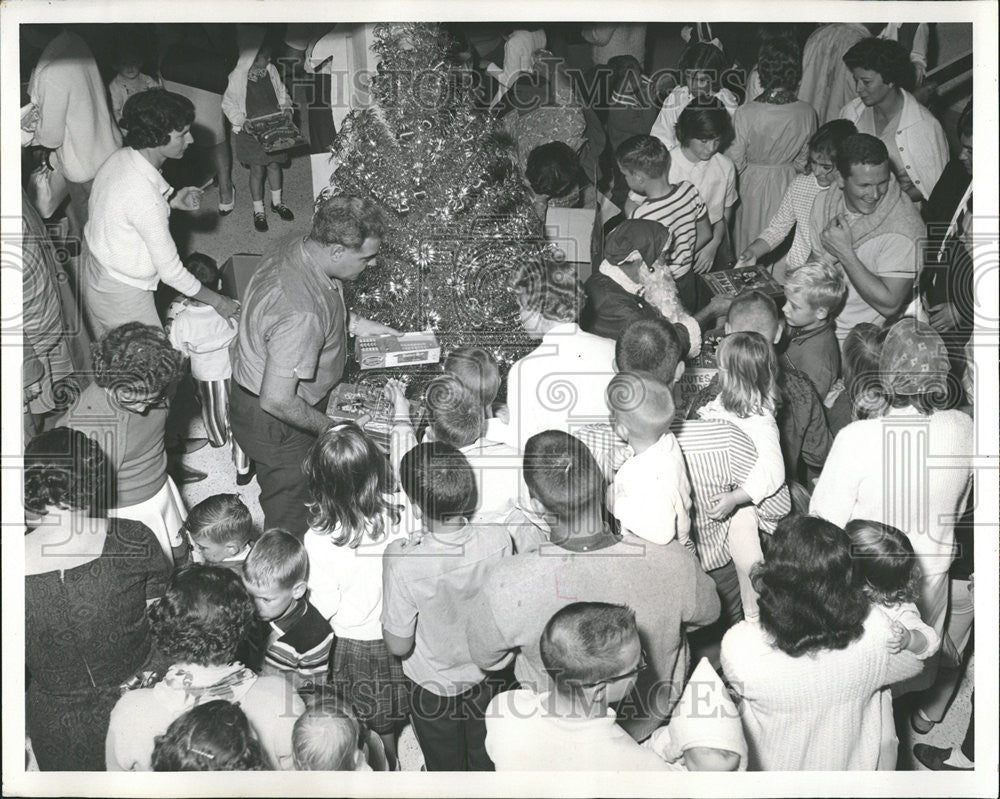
<point x="221" y="237"/>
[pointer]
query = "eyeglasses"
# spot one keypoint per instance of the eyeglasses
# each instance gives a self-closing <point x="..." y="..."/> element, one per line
<point x="626" y="676"/>
<point x="820" y="168"/>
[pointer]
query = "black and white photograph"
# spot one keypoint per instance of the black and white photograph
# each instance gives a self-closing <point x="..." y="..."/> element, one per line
<point x="500" y="408"/>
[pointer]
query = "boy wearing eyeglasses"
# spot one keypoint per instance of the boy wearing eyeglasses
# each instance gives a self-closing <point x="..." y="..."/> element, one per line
<point x="593" y="655"/>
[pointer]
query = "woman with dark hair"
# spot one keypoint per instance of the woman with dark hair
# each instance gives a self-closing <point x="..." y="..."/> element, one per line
<point x="702" y="66"/>
<point x="918" y="149"/>
<point x="772" y="139"/>
<point x="198" y="625"/>
<point x="809" y="674"/>
<point x="88" y="579"/>
<point x="135" y="369"/>
<point x="128" y="249"/>
<point x="704" y="130"/>
<point x="883" y="469"/>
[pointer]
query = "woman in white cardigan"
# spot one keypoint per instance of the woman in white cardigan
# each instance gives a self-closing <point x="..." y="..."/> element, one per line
<point x="809" y="675"/>
<point x="128" y="248"/>
<point x="918" y="149"/>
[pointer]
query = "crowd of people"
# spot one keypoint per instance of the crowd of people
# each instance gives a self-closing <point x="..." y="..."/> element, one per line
<point x="574" y="565"/>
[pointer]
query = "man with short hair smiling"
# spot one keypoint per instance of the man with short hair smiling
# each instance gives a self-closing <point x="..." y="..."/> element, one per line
<point x="592" y="652"/>
<point x="871" y="228"/>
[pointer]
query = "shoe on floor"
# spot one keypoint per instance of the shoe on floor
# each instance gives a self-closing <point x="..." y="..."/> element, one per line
<point x="260" y="222"/>
<point x="933" y="757"/>
<point x="185" y="476"/>
<point x="225" y="209"/>
<point x="244" y="479"/>
<point x="283" y="211"/>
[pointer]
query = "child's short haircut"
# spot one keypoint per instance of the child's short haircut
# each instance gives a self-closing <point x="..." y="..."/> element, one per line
<point x="885" y="566"/>
<point x="477" y="370"/>
<point x="705" y="118"/>
<point x="827" y="138"/>
<point x="439" y="480"/>
<point x="278" y="558"/>
<point x="457" y="417"/>
<point x="327" y="736"/>
<point x="553" y="169"/>
<point x="641" y="403"/>
<point x="583" y="642"/>
<point x="756" y="312"/>
<point x="222" y="519"/>
<point x="561" y="473"/>
<point x="821" y="284"/>
<point x="651" y="346"/>
<point x="646" y="155"/>
<point x="204" y="268"/>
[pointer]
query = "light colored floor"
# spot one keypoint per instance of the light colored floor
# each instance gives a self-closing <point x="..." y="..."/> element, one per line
<point x="221" y="237"/>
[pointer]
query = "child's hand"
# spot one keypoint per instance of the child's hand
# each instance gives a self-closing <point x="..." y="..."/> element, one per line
<point x="704" y="258"/>
<point x="900" y="638"/>
<point x="395" y="392"/>
<point x="719" y="305"/>
<point x="747" y="258"/>
<point x="187" y="199"/>
<point x="722" y="506"/>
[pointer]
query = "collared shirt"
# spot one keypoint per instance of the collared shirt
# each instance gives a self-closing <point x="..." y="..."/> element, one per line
<point x="293" y="317"/>
<point x="794" y="211"/>
<point x="715" y="180"/>
<point x="128" y="230"/>
<point x="427" y="588"/>
<point x="298" y="642"/>
<point x="816" y="353"/>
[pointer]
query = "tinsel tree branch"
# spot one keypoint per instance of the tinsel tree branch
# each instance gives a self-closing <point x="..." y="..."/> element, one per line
<point x="446" y="177"/>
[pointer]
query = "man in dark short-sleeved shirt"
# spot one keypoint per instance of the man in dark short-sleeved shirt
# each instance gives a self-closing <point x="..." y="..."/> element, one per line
<point x="292" y="347"/>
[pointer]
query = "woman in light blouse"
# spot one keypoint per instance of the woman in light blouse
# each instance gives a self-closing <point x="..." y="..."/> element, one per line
<point x="128" y="249"/>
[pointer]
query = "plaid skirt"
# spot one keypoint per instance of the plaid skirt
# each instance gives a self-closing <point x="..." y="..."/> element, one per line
<point x="372" y="680"/>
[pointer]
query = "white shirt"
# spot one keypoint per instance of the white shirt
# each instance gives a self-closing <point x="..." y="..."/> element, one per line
<point x="345" y="583"/>
<point x="651" y="494"/>
<point x="203" y="335"/>
<point x="920" y="140"/>
<point x="128" y="230"/>
<point x="560" y="385"/>
<point x="521" y="735"/>
<point x="677" y="101"/>
<point x="715" y="180"/>
<point x="905" y="469"/>
<point x="74" y="118"/>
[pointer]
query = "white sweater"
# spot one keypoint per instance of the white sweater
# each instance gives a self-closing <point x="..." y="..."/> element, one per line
<point x="904" y="469"/>
<point x="74" y="119"/>
<point x="815" y="712"/>
<point x="128" y="230"/>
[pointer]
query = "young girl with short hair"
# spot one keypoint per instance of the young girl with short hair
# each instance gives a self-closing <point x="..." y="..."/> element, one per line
<point x="747" y="369"/>
<point x="215" y="736"/>
<point x="887" y="572"/>
<point x="355" y="514"/>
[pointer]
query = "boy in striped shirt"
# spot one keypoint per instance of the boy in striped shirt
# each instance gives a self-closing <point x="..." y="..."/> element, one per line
<point x="645" y="162"/>
<point x="290" y="636"/>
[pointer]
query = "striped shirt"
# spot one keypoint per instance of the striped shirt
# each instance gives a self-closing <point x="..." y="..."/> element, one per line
<point x="679" y="213"/>
<point x="299" y="642"/>
<point x="719" y="456"/>
<point x="794" y="211"/>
